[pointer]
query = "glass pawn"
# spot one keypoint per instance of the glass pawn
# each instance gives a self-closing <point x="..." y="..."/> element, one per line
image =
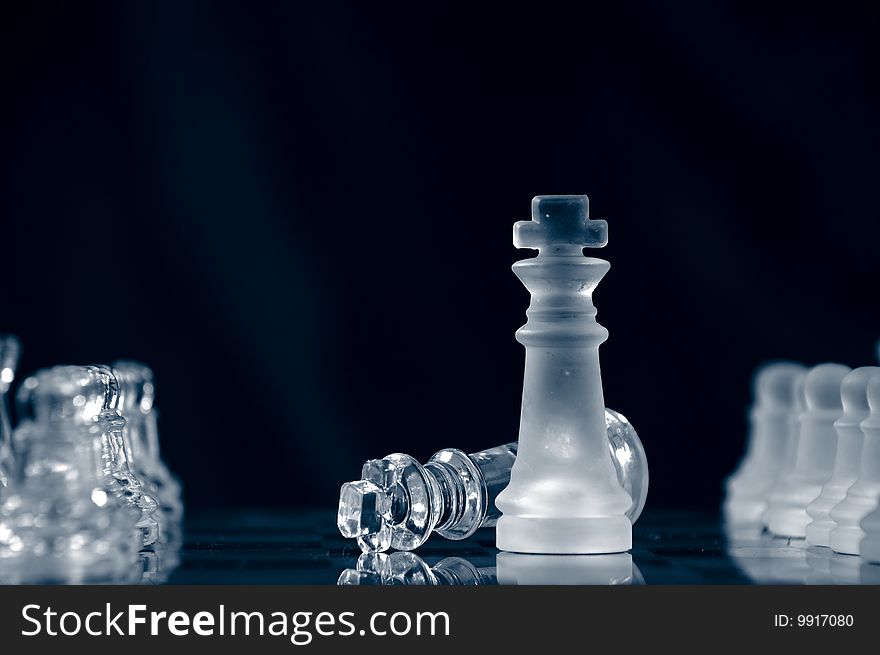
<point x="60" y="521"/>
<point x="137" y="392"/>
<point x="399" y="502"/>
<point x="10" y="349"/>
<point x="121" y="479"/>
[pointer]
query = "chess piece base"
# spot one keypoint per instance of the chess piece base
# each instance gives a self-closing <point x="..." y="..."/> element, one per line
<point x="743" y="512"/>
<point x="790" y="522"/>
<point x="846" y="539"/>
<point x="818" y="533"/>
<point x="568" y="536"/>
<point x="870" y="549"/>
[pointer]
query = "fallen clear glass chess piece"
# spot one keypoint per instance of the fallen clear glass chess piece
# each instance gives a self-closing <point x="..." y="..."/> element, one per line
<point x="398" y="502"/>
<point x="62" y="520"/>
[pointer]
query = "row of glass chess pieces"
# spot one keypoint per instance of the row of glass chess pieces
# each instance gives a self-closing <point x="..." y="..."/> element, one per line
<point x="811" y="471"/>
<point x="84" y="494"/>
<point x="398" y="502"/>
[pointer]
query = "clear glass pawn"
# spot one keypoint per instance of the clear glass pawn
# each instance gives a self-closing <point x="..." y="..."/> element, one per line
<point x="399" y="502"/>
<point x="60" y="521"/>
<point x="10" y="350"/>
<point x="137" y="393"/>
<point x="121" y="479"/>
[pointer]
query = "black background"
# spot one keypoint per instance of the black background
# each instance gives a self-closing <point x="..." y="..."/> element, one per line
<point x="299" y="214"/>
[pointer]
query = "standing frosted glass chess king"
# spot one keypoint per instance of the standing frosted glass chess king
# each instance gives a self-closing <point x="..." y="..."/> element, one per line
<point x="564" y="496"/>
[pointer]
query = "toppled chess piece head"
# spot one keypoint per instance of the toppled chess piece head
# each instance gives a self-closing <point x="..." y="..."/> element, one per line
<point x="398" y="502"/>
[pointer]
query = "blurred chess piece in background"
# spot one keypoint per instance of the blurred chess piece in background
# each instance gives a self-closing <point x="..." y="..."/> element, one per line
<point x="64" y="518"/>
<point x="10" y="351"/>
<point x="773" y="423"/>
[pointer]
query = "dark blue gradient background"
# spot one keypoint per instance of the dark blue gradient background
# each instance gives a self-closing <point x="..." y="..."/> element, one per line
<point x="299" y="214"/>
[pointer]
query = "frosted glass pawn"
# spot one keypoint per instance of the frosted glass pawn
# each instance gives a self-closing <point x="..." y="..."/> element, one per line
<point x="773" y="494"/>
<point x="869" y="548"/>
<point x="564" y="496"/>
<point x="864" y="494"/>
<point x="771" y="434"/>
<point x="121" y="479"/>
<point x="10" y="349"/>
<point x="850" y="444"/>
<point x="815" y="455"/>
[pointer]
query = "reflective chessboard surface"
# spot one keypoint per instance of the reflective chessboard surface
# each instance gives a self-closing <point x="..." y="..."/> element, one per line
<point x="277" y="547"/>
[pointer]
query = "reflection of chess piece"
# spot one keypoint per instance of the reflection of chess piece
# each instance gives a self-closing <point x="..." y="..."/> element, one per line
<point x="531" y="569"/>
<point x="846" y="569"/>
<point x="405" y="568"/>
<point x="864" y="494"/>
<point x="9" y="353"/>
<point x="772" y="421"/>
<point x="850" y="443"/>
<point x="869" y="548"/>
<point x="564" y="495"/>
<point x="830" y="568"/>
<point x="386" y="509"/>
<point x="61" y="521"/>
<point x="815" y="455"/>
<point x="819" y="561"/>
<point x="762" y="558"/>
<point x="159" y="561"/>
